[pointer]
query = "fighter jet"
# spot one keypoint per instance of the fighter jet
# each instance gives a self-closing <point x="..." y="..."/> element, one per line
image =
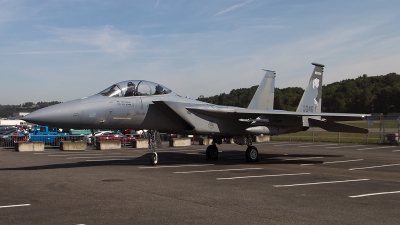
<point x="145" y="105"/>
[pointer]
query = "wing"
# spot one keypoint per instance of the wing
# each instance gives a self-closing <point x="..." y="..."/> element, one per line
<point x="240" y="113"/>
<point x="326" y="121"/>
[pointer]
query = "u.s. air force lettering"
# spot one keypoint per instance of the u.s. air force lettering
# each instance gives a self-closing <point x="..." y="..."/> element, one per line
<point x="307" y="108"/>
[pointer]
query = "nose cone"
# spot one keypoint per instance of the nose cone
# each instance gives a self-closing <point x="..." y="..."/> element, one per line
<point x="67" y="115"/>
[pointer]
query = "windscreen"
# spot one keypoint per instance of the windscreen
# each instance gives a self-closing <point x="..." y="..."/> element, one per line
<point x="135" y="88"/>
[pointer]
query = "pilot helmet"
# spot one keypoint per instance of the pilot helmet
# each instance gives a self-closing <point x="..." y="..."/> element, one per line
<point x="130" y="84"/>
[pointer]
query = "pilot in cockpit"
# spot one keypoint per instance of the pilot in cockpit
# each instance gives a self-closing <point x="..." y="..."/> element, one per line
<point x="159" y="90"/>
<point x="130" y="91"/>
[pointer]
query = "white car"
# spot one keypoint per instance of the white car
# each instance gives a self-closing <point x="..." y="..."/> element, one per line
<point x="88" y="138"/>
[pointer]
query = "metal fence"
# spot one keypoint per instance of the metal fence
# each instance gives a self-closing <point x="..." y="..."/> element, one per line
<point x="9" y="141"/>
<point x="382" y="129"/>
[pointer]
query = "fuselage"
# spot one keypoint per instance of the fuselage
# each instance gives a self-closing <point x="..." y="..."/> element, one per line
<point x="146" y="105"/>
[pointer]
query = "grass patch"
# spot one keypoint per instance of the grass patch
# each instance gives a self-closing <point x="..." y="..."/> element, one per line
<point x="376" y="124"/>
<point x="323" y="136"/>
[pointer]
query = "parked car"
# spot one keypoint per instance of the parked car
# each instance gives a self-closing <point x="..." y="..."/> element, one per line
<point x="5" y="129"/>
<point x="49" y="135"/>
<point x="81" y="134"/>
<point x="116" y="135"/>
<point x="10" y="137"/>
<point x="110" y="135"/>
<point x="88" y="138"/>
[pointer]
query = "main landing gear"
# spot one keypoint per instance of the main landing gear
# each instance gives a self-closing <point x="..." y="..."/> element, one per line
<point x="212" y="152"/>
<point x="251" y="154"/>
<point x="251" y="151"/>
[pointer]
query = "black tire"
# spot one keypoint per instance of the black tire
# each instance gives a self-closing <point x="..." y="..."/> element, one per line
<point x="212" y="152"/>
<point x="251" y="154"/>
<point x="57" y="142"/>
<point x="154" y="159"/>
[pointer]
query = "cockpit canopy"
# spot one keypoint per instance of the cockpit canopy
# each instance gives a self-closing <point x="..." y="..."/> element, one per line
<point x="135" y="88"/>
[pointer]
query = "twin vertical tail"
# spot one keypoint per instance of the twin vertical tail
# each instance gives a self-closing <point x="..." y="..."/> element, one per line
<point x="312" y="97"/>
<point x="264" y="96"/>
<point x="310" y="102"/>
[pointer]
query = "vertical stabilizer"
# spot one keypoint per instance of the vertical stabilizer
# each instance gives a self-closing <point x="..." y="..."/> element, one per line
<point x="312" y="97"/>
<point x="264" y="96"/>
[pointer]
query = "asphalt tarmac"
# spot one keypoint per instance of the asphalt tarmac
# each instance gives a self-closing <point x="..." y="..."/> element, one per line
<point x="293" y="183"/>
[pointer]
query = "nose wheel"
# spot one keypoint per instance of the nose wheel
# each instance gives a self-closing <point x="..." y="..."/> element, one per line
<point x="152" y="143"/>
<point x="154" y="159"/>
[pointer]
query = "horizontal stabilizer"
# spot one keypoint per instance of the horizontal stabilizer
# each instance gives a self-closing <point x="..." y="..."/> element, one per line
<point x="336" y="127"/>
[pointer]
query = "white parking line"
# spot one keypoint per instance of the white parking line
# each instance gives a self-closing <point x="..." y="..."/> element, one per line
<point x="188" y="150"/>
<point x="269" y="143"/>
<point x="208" y="171"/>
<point x="370" y="167"/>
<point x="273" y="175"/>
<point x="361" y="149"/>
<point x="10" y="206"/>
<point x="98" y="157"/>
<point x="159" y="167"/>
<point x="372" y="194"/>
<point x="100" y="160"/>
<point x="168" y="150"/>
<point x="303" y="158"/>
<point x="82" y="154"/>
<point x="304" y="146"/>
<point x="396" y="151"/>
<point x="144" y="161"/>
<point x="328" y="182"/>
<point x="286" y="144"/>
<point x="64" y="153"/>
<point x="348" y="146"/>
<point x="352" y="160"/>
<point x="298" y="158"/>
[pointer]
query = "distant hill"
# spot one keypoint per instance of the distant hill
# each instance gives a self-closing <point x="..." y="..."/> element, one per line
<point x="8" y="110"/>
<point x="361" y="95"/>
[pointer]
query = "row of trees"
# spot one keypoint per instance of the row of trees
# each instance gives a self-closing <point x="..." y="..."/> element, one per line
<point x="8" y="110"/>
<point x="361" y="95"/>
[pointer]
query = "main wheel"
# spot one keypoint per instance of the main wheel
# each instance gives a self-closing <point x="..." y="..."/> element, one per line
<point x="153" y="159"/>
<point x="251" y="154"/>
<point x="212" y="152"/>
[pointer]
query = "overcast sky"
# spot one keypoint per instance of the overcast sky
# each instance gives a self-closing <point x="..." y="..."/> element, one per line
<point x="60" y="50"/>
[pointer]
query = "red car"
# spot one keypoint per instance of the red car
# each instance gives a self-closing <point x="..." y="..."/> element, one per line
<point x="125" y="140"/>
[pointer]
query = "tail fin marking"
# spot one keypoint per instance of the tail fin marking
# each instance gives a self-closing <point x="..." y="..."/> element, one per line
<point x="312" y="97"/>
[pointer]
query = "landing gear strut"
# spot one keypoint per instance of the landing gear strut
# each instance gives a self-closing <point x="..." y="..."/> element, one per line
<point x="152" y="143"/>
<point x="251" y="151"/>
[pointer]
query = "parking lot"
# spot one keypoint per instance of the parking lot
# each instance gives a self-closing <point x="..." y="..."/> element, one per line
<point x="293" y="183"/>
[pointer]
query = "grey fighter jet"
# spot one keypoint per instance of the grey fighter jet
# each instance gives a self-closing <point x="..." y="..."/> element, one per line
<point x="140" y="104"/>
